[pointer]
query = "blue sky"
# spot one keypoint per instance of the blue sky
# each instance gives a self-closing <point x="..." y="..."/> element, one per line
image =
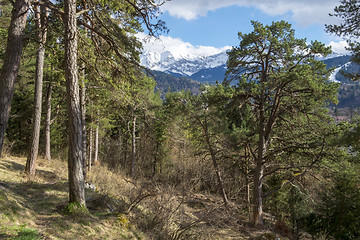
<point x="201" y="24"/>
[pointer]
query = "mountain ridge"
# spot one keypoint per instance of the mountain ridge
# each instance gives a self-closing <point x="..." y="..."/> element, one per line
<point x="212" y="68"/>
<point x="185" y="66"/>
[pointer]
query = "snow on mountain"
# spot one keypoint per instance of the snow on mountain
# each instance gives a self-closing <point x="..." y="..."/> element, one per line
<point x="209" y="67"/>
<point x="330" y="56"/>
<point x="184" y="65"/>
<point x="332" y="77"/>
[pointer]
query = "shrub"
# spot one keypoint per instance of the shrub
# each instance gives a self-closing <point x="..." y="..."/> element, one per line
<point x="338" y="214"/>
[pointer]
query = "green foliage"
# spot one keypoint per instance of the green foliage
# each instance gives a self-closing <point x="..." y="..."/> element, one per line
<point x="75" y="208"/>
<point x="349" y="13"/>
<point x="27" y="234"/>
<point x="338" y="213"/>
<point x="5" y="14"/>
<point x="21" y="232"/>
<point x="281" y="94"/>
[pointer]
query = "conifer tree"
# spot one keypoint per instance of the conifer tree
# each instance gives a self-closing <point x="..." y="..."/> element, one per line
<point x="349" y="13"/>
<point x="41" y="15"/>
<point x="284" y="85"/>
<point x="75" y="157"/>
<point x="11" y="65"/>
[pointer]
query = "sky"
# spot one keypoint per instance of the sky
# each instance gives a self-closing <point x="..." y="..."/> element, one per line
<point x="206" y="27"/>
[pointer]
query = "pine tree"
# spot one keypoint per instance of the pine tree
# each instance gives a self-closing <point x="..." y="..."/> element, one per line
<point x="75" y="157"/>
<point x="11" y="65"/>
<point x="349" y="13"/>
<point x="281" y="82"/>
<point x="41" y="15"/>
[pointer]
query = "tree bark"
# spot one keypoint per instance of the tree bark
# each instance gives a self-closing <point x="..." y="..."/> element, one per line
<point x="96" y="147"/>
<point x="83" y="119"/>
<point x="247" y="183"/>
<point x="10" y="68"/>
<point x="41" y="18"/>
<point x="48" y="122"/>
<point x="75" y="156"/>
<point x="133" y="147"/>
<point x="91" y="144"/>
<point x="126" y="141"/>
<point x="259" y="169"/>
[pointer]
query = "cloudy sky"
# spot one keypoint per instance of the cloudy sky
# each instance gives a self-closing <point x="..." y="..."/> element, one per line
<point x="208" y="26"/>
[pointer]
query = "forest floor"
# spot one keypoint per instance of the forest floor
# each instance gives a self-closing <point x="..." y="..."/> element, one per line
<point x="119" y="208"/>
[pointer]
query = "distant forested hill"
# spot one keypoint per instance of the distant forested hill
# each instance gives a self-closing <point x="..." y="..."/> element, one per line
<point x="210" y="75"/>
<point x="349" y="95"/>
<point x="167" y="82"/>
<point x="337" y="61"/>
<point x="349" y="92"/>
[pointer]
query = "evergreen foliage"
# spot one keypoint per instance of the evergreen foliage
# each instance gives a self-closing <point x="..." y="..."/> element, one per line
<point x="349" y="13"/>
<point x="262" y="139"/>
<point x="337" y="215"/>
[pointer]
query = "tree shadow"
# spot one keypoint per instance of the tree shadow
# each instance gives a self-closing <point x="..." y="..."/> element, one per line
<point x="12" y="166"/>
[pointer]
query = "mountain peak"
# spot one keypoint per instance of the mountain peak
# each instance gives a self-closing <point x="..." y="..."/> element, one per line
<point x="180" y="63"/>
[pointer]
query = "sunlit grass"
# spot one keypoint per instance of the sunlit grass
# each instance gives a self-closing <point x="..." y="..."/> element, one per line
<point x="33" y="207"/>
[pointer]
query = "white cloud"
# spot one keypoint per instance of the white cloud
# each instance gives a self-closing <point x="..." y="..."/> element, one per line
<point x="303" y="12"/>
<point x="339" y="47"/>
<point x="178" y="48"/>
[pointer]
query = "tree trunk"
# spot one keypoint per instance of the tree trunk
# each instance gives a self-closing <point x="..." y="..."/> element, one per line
<point x="91" y="144"/>
<point x="133" y="147"/>
<point x="259" y="169"/>
<point x="126" y="141"/>
<point x="248" y="192"/>
<point x="216" y="168"/>
<point x="10" y="68"/>
<point x="96" y="147"/>
<point x="213" y="158"/>
<point x="75" y="157"/>
<point x="247" y="182"/>
<point x="41" y="18"/>
<point x="83" y="119"/>
<point x="257" y="210"/>
<point x="48" y="122"/>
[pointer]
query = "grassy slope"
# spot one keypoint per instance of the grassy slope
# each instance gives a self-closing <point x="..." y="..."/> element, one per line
<point x="118" y="209"/>
<point x="33" y="208"/>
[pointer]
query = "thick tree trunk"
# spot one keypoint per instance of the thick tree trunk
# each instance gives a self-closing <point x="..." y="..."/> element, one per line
<point x="11" y="64"/>
<point x="133" y="147"/>
<point x="40" y="18"/>
<point x="75" y="158"/>
<point x="96" y="147"/>
<point x="83" y="119"/>
<point x="257" y="210"/>
<point x="48" y="122"/>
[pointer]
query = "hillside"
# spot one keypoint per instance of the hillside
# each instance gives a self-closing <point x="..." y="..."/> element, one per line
<point x="166" y="82"/>
<point x="348" y="90"/>
<point x="118" y="208"/>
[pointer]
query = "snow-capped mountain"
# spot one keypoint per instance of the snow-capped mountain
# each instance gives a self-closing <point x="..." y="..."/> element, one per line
<point x="181" y="65"/>
<point x="212" y="68"/>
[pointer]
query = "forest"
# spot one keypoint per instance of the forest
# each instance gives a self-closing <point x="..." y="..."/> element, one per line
<point x="92" y="148"/>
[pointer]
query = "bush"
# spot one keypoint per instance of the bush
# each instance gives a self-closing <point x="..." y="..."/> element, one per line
<point x="338" y="214"/>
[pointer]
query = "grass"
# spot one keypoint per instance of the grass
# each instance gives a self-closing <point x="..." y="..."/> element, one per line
<point x="33" y="208"/>
<point x="21" y="232"/>
<point x="119" y="208"/>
